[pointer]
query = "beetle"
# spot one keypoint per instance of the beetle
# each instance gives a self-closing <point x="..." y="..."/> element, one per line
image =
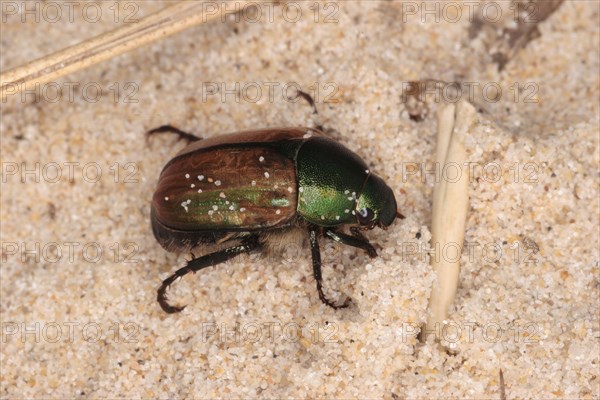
<point x="241" y="190"/>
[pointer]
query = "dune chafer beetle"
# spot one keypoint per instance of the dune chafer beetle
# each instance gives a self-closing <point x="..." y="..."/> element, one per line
<point x="243" y="189"/>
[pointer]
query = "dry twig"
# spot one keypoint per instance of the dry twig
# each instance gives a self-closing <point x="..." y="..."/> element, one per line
<point x="450" y="205"/>
<point x="166" y="22"/>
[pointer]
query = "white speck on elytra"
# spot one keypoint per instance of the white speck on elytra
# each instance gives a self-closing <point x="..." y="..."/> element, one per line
<point x="218" y="183"/>
<point x="261" y="159"/>
<point x="231" y="208"/>
<point x="187" y="176"/>
<point x="367" y="171"/>
<point x="353" y="212"/>
<point x="278" y="212"/>
<point x="192" y="186"/>
<point x="215" y="208"/>
<point x="185" y="204"/>
<point x="222" y="195"/>
<point x="167" y="198"/>
<point x="242" y="209"/>
<point x="350" y="198"/>
<point x="227" y="202"/>
<point x="337" y="217"/>
<point x="199" y="190"/>
<point x="322" y="217"/>
<point x="210" y="212"/>
<point x="253" y="183"/>
<point x="276" y="187"/>
<point x="346" y="211"/>
<point x="301" y="189"/>
<point x="346" y="191"/>
<point x="210" y="180"/>
<point x="267" y="175"/>
<point x="200" y="177"/>
<point x="290" y="189"/>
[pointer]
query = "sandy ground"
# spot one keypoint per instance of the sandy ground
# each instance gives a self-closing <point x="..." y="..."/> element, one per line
<point x="80" y="266"/>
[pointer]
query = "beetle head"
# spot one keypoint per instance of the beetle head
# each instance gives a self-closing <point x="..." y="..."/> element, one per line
<point x="376" y="205"/>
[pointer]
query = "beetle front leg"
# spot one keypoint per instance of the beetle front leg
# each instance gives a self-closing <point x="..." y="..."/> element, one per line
<point x="316" y="261"/>
<point x="171" y="129"/>
<point x="357" y="240"/>
<point x="199" y="263"/>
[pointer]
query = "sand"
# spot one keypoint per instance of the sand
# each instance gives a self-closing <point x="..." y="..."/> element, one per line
<point x="80" y="266"/>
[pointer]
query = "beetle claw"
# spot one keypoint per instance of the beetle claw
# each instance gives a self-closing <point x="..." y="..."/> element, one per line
<point x="169" y="309"/>
<point x="162" y="298"/>
<point x="332" y="304"/>
<point x="337" y="306"/>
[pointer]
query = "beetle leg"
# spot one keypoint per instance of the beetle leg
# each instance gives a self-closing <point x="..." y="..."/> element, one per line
<point x="356" y="232"/>
<point x="171" y="129"/>
<point x="311" y="103"/>
<point x="316" y="261"/>
<point x="318" y="126"/>
<point x="199" y="263"/>
<point x="356" y="240"/>
<point x="309" y="100"/>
